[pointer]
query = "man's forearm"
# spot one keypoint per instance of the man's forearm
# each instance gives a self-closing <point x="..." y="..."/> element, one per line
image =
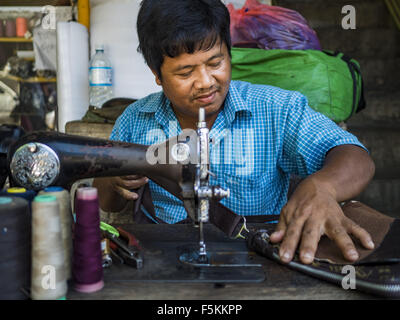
<point x="109" y="200"/>
<point x="346" y="172"/>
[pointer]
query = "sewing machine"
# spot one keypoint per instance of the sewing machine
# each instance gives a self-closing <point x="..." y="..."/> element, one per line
<point x="180" y="165"/>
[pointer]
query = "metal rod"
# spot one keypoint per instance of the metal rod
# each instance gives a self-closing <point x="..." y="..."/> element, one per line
<point x="202" y="115"/>
<point x="202" y="249"/>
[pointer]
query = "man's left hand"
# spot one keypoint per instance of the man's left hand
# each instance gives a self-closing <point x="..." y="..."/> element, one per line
<point x="311" y="212"/>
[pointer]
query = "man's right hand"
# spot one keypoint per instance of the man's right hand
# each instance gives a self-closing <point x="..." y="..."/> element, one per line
<point x="124" y="185"/>
<point x="115" y="192"/>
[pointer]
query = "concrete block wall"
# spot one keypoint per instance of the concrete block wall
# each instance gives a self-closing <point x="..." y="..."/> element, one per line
<point x="375" y="43"/>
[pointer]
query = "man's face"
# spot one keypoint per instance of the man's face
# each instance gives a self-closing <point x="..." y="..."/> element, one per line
<point x="201" y="79"/>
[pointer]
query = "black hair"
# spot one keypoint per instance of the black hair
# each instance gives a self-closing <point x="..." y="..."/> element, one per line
<point x="172" y="27"/>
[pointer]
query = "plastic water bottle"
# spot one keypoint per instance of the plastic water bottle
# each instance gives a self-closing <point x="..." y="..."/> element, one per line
<point x="100" y="78"/>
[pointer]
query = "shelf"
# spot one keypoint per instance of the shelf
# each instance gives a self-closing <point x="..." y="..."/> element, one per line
<point x="15" y="39"/>
<point x="31" y="80"/>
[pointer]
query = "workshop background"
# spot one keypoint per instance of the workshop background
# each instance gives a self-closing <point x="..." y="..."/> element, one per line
<point x="30" y="99"/>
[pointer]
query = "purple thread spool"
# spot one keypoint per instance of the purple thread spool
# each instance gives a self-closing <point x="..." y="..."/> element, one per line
<point x="87" y="267"/>
<point x="11" y="28"/>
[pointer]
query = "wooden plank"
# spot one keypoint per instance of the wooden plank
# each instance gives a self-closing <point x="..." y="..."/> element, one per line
<point x="86" y="129"/>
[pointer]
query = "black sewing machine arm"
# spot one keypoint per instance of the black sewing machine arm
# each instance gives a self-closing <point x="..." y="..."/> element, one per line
<point x="41" y="159"/>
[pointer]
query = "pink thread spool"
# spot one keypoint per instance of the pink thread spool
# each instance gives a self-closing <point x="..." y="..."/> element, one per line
<point x="21" y="26"/>
<point x="11" y="29"/>
<point x="87" y="269"/>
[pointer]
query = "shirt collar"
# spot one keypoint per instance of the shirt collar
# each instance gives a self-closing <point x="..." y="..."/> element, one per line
<point x="161" y="107"/>
<point x="164" y="113"/>
<point x="234" y="103"/>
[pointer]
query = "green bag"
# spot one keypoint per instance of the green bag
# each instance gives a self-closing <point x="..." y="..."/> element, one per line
<point x="331" y="81"/>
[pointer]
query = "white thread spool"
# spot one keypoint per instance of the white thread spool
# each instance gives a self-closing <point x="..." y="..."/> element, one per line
<point x="48" y="280"/>
<point x="64" y="201"/>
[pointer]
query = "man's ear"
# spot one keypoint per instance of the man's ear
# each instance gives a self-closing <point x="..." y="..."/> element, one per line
<point x="157" y="78"/>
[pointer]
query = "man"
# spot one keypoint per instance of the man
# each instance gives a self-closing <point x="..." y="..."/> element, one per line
<point x="260" y="134"/>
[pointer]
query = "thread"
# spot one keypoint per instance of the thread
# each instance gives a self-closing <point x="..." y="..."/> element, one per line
<point x="48" y="279"/>
<point x="64" y="202"/>
<point x="28" y="195"/>
<point x="21" y="26"/>
<point x="11" y="29"/>
<point x="15" y="248"/>
<point x="87" y="270"/>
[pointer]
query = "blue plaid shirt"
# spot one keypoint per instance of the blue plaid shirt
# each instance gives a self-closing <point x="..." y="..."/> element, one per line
<point x="261" y="136"/>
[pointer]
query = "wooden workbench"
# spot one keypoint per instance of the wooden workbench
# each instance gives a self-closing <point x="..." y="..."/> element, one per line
<point x="280" y="282"/>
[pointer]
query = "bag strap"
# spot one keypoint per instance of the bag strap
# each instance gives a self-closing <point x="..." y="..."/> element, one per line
<point x="232" y="224"/>
<point x="146" y="201"/>
<point x="353" y="68"/>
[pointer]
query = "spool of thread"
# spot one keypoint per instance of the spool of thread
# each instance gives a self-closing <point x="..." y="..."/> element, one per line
<point x="15" y="248"/>
<point x="11" y="29"/>
<point x="28" y="195"/>
<point x="48" y="280"/>
<point x="87" y="270"/>
<point x="2" y="33"/>
<point x="21" y="26"/>
<point x="63" y="198"/>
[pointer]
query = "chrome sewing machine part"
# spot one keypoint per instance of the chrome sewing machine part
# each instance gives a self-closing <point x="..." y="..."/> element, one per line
<point x="201" y="183"/>
<point x="203" y="191"/>
<point x="35" y="166"/>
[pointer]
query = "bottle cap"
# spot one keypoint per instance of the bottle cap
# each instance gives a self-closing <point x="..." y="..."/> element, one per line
<point x="99" y="47"/>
